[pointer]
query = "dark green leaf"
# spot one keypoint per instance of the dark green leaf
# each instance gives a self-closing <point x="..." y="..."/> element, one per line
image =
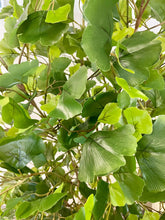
<point x="102" y="196"/>
<point x="123" y="99"/>
<point x="158" y="9"/>
<point x="99" y="15"/>
<point x="35" y="28"/>
<point x="103" y="153"/>
<point x="19" y="151"/>
<point x="149" y="196"/>
<point x="150" y="156"/>
<point x="94" y="106"/>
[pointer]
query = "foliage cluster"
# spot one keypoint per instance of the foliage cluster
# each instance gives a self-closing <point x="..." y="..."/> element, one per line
<point x="82" y="132"/>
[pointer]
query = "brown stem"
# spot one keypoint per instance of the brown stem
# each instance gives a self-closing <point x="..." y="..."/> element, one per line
<point x="141" y="11"/>
<point x="22" y="52"/>
<point x="3" y="63"/>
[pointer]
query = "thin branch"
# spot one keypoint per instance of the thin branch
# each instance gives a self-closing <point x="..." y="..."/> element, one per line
<point x="160" y="24"/>
<point x="141" y="11"/>
<point x="22" y="52"/>
<point x="94" y="74"/>
<point x="3" y="63"/>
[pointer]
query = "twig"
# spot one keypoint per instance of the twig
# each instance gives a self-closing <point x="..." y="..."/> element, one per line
<point x="157" y="25"/>
<point x="141" y="11"/>
<point x="3" y="63"/>
<point x="93" y="75"/>
<point x="22" y="52"/>
<point x="12" y="187"/>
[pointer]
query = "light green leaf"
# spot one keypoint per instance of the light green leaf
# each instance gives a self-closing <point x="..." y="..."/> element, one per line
<point x="17" y="8"/>
<point x="117" y="195"/>
<point x="35" y="28"/>
<point x="19" y="151"/>
<point x="132" y="217"/>
<point x="150" y="156"/>
<point x="6" y="12"/>
<point x="140" y="119"/>
<point x="132" y="92"/>
<point x="102" y="196"/>
<point x="127" y="182"/>
<point x="99" y="15"/>
<point x="54" y="52"/>
<point x="80" y="215"/>
<point x="89" y="207"/>
<point x="110" y="114"/>
<point x="13" y="111"/>
<point x="58" y="15"/>
<point x="18" y="73"/>
<point x="150" y="216"/>
<point x="104" y="153"/>
<point x="10" y="36"/>
<point x="155" y="80"/>
<point x="67" y="107"/>
<point x="76" y="85"/>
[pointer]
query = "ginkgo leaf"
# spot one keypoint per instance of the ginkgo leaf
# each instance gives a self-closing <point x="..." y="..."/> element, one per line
<point x="104" y="153"/>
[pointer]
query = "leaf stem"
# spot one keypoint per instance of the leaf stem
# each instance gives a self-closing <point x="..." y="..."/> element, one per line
<point x="3" y="63"/>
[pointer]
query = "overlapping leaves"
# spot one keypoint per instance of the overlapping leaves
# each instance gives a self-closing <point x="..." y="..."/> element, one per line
<point x="96" y="40"/>
<point x="104" y="153"/>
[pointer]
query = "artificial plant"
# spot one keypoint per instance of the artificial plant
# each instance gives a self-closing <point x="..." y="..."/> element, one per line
<point x="82" y="132"/>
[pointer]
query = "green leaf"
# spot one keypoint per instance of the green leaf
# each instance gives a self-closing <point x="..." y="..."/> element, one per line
<point x="102" y="196"/>
<point x="132" y="92"/>
<point x="76" y="85"/>
<point x="13" y="111"/>
<point x="116" y="195"/>
<point x="158" y="9"/>
<point x="49" y="201"/>
<point x="123" y="99"/>
<point x="6" y="12"/>
<point x="11" y="204"/>
<point x="103" y="153"/>
<point x="35" y="28"/>
<point x="110" y="114"/>
<point x="67" y="107"/>
<point x="80" y="215"/>
<point x="10" y="35"/>
<point x="99" y="15"/>
<point x="127" y="182"/>
<point x="19" y="151"/>
<point x="149" y="196"/>
<point x="150" y="216"/>
<point x="27" y="209"/>
<point x="132" y="217"/>
<point x="150" y="156"/>
<point x="89" y="207"/>
<point x="140" y="119"/>
<point x="18" y="73"/>
<point x="17" y="8"/>
<point x="94" y="105"/>
<point x="155" y="80"/>
<point x="139" y="45"/>
<point x="58" y="15"/>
